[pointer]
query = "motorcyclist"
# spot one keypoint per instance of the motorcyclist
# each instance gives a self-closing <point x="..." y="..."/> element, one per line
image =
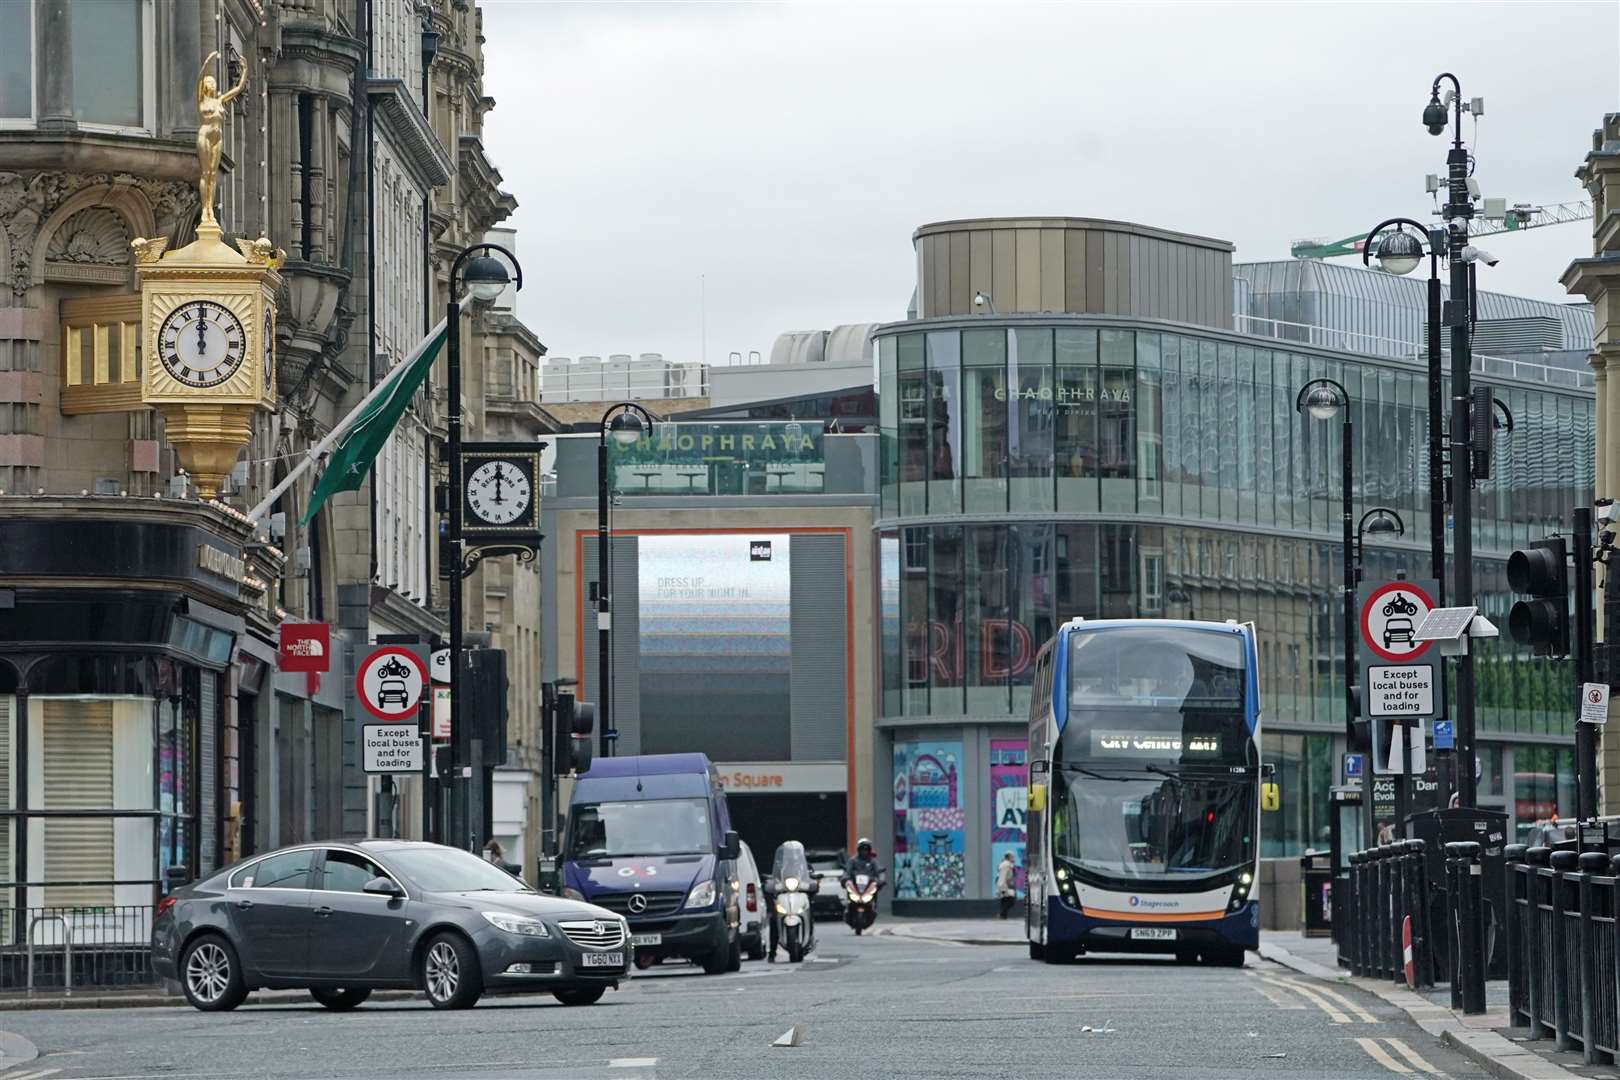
<point x="865" y="862"/>
<point x="790" y="861"/>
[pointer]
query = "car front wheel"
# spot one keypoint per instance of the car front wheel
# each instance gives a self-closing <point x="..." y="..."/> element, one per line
<point x="212" y="975"/>
<point x="339" y="1000"/>
<point x="449" y="973"/>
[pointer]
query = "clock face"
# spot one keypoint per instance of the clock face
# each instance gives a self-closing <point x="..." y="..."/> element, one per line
<point x="268" y="346"/>
<point x="202" y="343"/>
<point x="499" y="492"/>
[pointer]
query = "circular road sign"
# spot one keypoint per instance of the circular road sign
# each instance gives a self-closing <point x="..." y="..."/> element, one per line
<point x="1390" y="618"/>
<point x="390" y="683"/>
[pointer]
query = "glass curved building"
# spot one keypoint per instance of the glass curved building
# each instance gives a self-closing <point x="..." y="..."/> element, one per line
<point x="1070" y="427"/>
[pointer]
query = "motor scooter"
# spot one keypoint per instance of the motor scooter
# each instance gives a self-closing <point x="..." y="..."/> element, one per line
<point x="860" y="902"/>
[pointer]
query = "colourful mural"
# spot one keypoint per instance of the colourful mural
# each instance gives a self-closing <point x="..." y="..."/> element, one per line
<point x="1009" y="806"/>
<point x="929" y="821"/>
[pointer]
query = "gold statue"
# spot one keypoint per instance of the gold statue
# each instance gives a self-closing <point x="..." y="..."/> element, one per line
<point x="210" y="131"/>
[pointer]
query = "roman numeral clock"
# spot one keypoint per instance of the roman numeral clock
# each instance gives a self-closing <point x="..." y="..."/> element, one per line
<point x="500" y="501"/>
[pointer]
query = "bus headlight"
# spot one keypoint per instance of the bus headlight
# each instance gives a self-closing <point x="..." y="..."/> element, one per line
<point x="1244" y="878"/>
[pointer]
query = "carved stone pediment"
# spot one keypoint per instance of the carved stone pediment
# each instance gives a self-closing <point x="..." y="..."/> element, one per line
<point x="92" y="246"/>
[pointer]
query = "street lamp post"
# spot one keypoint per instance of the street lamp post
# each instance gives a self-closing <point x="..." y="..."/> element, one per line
<point x="485" y="279"/>
<point x="1399" y="252"/>
<point x="1458" y="210"/>
<point x="1322" y="399"/>
<point x="625" y="422"/>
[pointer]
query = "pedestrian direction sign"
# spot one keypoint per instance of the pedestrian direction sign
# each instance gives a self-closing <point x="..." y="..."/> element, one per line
<point x="390" y="682"/>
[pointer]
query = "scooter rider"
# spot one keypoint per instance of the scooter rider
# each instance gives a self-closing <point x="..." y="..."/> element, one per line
<point x="865" y="862"/>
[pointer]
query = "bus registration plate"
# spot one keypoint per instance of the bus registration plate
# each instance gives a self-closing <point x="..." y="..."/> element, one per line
<point x="1152" y="933"/>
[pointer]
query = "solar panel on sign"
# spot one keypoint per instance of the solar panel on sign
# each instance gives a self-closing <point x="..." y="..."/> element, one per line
<point x="1445" y="624"/>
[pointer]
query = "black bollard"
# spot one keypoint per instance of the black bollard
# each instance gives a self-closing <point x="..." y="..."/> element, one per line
<point x="1538" y="944"/>
<point x="1358" y="892"/>
<point x="1469" y="989"/>
<point x="1590" y="864"/>
<point x="1422" y="956"/>
<point x="1517" y="893"/>
<point x="1453" y="927"/>
<point x="1401" y="904"/>
<point x="1563" y="862"/>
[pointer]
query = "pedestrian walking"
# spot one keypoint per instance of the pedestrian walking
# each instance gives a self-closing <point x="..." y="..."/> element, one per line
<point x="495" y="854"/>
<point x="1005" y="891"/>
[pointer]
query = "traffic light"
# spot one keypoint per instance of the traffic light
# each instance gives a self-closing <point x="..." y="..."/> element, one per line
<point x="482" y="712"/>
<point x="573" y="722"/>
<point x="1540" y="574"/>
<point x="1357" y="740"/>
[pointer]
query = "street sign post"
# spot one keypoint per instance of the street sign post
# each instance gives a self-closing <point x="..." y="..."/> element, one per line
<point x="1595" y="703"/>
<point x="390" y="682"/>
<point x="392" y="748"/>
<point x="1399" y="684"/>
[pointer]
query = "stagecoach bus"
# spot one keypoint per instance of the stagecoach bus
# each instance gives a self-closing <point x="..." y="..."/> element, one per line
<point x="1144" y="751"/>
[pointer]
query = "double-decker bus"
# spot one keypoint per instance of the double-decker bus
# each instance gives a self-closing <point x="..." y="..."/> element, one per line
<point x="1144" y="750"/>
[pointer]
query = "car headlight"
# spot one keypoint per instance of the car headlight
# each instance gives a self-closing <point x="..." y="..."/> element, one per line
<point x="702" y="895"/>
<point x="516" y="924"/>
<point x="573" y="894"/>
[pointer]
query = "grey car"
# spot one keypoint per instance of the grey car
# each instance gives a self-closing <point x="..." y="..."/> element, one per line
<point x="344" y="919"/>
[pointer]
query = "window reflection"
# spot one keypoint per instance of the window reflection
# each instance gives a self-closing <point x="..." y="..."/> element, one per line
<point x="1075" y="420"/>
<point x="984" y="385"/>
<point x="1032" y="420"/>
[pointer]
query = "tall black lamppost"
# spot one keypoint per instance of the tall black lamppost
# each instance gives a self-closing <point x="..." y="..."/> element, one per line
<point x="1458" y="210"/>
<point x="485" y="279"/>
<point x="1323" y="399"/>
<point x="625" y="422"/>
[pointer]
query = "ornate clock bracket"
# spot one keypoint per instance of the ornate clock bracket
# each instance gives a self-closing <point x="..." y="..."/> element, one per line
<point x="473" y="557"/>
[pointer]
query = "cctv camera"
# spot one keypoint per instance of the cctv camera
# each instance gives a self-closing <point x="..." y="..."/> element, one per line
<point x="978" y="299"/>
<point x="1475" y="254"/>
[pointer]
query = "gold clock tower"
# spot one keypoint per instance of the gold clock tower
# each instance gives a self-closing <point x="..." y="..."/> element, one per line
<point x="208" y="321"/>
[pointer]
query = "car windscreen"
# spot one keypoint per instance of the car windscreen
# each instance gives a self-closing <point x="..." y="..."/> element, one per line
<point x="609" y="830"/>
<point x="444" y="869"/>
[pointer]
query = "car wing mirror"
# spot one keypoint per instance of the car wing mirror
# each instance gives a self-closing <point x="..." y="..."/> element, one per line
<point x="730" y="845"/>
<point x="176" y="876"/>
<point x="381" y="886"/>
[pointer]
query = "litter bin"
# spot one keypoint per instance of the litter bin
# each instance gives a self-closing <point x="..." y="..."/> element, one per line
<point x="1316" y="874"/>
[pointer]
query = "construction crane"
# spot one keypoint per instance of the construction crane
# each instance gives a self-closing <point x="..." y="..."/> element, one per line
<point x="1498" y="217"/>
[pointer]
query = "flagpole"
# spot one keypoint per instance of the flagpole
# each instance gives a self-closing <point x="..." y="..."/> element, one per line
<point x="313" y="454"/>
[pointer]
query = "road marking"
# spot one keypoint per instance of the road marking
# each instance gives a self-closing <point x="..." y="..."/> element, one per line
<point x="32" y="1074"/>
<point x="1361" y="1014"/>
<point x="1277" y="997"/>
<point x="1412" y="1055"/>
<point x="632" y="1063"/>
<point x="1380" y="1055"/>
<point x="1320" y="1002"/>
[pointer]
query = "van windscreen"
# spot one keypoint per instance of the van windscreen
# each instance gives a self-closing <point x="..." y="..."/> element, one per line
<point x="610" y="830"/>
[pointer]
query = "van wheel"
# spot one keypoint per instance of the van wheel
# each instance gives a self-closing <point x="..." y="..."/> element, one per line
<point x="756" y="951"/>
<point x="718" y="962"/>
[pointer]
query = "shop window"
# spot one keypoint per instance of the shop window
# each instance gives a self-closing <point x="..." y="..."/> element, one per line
<point x="1075" y="419"/>
<point x="110" y="54"/>
<point x="985" y="412"/>
<point x="16" y="61"/>
<point x="1033" y="414"/>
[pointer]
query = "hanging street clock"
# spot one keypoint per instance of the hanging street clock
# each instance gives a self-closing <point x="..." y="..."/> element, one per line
<point x="500" y="501"/>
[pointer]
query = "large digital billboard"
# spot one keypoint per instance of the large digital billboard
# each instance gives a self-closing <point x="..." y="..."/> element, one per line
<point x="715" y="644"/>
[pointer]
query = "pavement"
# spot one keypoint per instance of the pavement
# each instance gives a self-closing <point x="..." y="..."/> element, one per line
<point x="915" y="999"/>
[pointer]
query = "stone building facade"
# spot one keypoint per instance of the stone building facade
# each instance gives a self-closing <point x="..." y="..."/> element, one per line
<point x="137" y="623"/>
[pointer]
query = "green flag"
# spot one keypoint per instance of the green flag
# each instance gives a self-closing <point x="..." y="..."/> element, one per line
<point x="366" y="429"/>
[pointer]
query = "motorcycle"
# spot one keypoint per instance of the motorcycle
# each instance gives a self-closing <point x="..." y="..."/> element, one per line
<point x="860" y="908"/>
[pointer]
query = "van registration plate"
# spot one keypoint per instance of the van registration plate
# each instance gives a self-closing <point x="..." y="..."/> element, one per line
<point x="1152" y="933"/>
<point x="646" y="939"/>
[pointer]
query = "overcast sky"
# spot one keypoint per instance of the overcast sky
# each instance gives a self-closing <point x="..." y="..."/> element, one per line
<point x="766" y="164"/>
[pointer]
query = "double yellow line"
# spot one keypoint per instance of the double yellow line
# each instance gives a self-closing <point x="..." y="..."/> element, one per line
<point x="1338" y="1008"/>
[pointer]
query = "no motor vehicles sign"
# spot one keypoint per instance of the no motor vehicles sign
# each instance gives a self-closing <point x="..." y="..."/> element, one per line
<point x="1390" y="617"/>
<point x="390" y="683"/>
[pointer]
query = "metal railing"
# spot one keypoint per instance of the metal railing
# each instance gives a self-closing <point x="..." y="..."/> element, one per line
<point x="1385" y="932"/>
<point x="1563" y="978"/>
<point x="1328" y="337"/>
<point x="71" y="948"/>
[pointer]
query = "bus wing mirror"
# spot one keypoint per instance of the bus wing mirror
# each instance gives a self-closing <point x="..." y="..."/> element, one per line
<point x="1037" y="798"/>
<point x="1268" y="770"/>
<point x="1270" y="797"/>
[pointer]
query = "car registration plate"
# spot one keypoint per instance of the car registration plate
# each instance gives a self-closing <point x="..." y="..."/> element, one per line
<point x="646" y="939"/>
<point x="604" y="959"/>
<point x="1152" y="933"/>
